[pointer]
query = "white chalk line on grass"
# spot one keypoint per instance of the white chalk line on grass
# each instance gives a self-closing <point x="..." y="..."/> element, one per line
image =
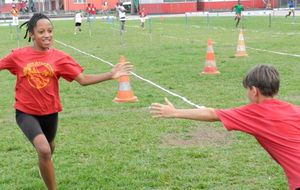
<point x="137" y="76"/>
<point x="274" y="52"/>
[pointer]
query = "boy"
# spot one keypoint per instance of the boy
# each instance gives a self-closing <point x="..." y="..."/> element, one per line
<point x="274" y="123"/>
<point x="143" y="15"/>
<point x="291" y="4"/>
<point x="78" y="21"/>
<point x="238" y="12"/>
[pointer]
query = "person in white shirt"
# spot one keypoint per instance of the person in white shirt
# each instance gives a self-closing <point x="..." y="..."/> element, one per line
<point x="122" y="16"/>
<point x="78" y="21"/>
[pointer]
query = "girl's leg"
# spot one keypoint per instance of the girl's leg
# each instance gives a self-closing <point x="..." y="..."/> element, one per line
<point x="44" y="152"/>
<point x="52" y="147"/>
<point x="40" y="130"/>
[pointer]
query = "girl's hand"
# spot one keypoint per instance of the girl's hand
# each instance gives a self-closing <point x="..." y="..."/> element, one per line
<point x="121" y="69"/>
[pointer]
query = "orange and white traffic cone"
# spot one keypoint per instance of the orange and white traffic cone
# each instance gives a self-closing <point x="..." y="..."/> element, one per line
<point x="210" y="63"/>
<point x="241" y="49"/>
<point x="125" y="93"/>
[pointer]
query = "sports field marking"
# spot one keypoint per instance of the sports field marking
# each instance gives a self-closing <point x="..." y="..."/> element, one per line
<point x="137" y="76"/>
<point x="274" y="52"/>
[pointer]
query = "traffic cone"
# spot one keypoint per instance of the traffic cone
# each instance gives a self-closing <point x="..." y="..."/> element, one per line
<point x="125" y="93"/>
<point x="241" y="49"/>
<point x="210" y="63"/>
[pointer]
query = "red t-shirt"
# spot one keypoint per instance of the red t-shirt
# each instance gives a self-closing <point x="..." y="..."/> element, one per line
<point x="142" y="14"/>
<point x="37" y="73"/>
<point x="93" y="10"/>
<point x="276" y="126"/>
<point x="89" y="10"/>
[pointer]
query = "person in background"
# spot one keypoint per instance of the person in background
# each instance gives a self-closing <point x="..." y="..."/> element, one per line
<point x="23" y="6"/>
<point x="15" y="15"/>
<point x="38" y="69"/>
<point x="122" y="16"/>
<point x="88" y="12"/>
<point x="93" y="11"/>
<point x="78" y="22"/>
<point x="105" y="8"/>
<point x="238" y="12"/>
<point x="143" y="15"/>
<point x="291" y="4"/>
<point x="274" y="123"/>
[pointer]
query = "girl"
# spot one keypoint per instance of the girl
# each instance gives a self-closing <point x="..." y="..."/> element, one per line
<point x="38" y="68"/>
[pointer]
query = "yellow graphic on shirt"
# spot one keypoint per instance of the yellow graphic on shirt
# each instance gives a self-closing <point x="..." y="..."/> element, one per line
<point x="38" y="74"/>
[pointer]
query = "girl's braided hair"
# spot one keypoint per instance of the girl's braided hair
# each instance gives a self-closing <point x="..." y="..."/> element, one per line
<point x="32" y="23"/>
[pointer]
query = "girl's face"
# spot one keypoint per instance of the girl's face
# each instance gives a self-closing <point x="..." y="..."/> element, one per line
<point x="42" y="35"/>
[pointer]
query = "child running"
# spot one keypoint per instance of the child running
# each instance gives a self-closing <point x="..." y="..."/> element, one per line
<point x="291" y="4"/>
<point x="274" y="123"/>
<point x="38" y="69"/>
<point x="238" y="12"/>
<point x="78" y="21"/>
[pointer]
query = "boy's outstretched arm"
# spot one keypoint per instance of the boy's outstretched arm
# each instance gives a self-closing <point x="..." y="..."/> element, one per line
<point x="169" y="111"/>
<point x="117" y="71"/>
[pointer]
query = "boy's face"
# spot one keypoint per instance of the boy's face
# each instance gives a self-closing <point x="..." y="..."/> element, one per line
<point x="42" y="34"/>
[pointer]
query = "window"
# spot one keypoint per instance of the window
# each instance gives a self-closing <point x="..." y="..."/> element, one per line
<point x="175" y="1"/>
<point x="79" y="1"/>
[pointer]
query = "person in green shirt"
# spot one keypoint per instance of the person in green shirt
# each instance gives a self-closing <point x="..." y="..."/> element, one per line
<point x="238" y="12"/>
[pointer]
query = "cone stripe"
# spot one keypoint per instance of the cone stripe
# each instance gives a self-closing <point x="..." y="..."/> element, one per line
<point x="241" y="49"/>
<point x="210" y="63"/>
<point x="124" y="86"/>
<point x="241" y="37"/>
<point x="125" y="93"/>
<point x="210" y="49"/>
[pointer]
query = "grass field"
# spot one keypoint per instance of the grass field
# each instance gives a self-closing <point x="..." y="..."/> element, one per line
<point x="104" y="145"/>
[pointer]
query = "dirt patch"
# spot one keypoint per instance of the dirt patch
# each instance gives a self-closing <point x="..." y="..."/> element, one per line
<point x="201" y="136"/>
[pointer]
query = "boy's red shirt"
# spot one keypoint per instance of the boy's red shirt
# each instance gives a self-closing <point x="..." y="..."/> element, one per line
<point x="276" y="126"/>
<point x="38" y="72"/>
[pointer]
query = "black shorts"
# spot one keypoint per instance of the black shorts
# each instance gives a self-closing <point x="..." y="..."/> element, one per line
<point x="33" y="125"/>
<point x="77" y="24"/>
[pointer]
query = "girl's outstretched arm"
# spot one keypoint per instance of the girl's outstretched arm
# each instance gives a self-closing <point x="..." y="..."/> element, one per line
<point x="118" y="70"/>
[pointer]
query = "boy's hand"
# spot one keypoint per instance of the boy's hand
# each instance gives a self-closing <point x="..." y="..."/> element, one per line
<point x="162" y="110"/>
<point x="121" y="69"/>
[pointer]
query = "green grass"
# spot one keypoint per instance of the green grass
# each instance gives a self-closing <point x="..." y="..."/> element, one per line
<point x="109" y="146"/>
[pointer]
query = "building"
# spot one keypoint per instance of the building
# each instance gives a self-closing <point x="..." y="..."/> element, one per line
<point x="182" y="6"/>
<point x="151" y="6"/>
